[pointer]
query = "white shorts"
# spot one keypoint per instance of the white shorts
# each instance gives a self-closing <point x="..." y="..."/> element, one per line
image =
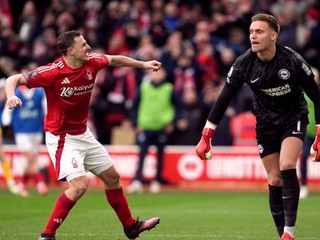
<point x="28" y="141"/>
<point x="74" y="155"/>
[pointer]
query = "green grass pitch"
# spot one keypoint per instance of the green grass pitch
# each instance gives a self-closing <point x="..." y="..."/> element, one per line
<point x="184" y="215"/>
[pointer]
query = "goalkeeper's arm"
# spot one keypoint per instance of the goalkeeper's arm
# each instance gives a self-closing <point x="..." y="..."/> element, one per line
<point x="203" y="148"/>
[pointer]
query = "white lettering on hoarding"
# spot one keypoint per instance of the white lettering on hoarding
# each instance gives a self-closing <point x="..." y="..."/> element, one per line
<point x="221" y="167"/>
<point x="126" y="165"/>
<point x="235" y="167"/>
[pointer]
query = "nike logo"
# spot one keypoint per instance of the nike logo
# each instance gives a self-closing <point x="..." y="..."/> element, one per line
<point x="286" y="197"/>
<point x="254" y="80"/>
<point x="277" y="213"/>
<point x="296" y="132"/>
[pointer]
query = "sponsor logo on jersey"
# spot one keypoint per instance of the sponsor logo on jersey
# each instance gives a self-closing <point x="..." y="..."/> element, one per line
<point x="277" y="91"/>
<point x="284" y="74"/>
<point x="76" y="90"/>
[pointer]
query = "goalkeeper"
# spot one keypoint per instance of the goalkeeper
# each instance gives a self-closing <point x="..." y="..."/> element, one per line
<point x="278" y="76"/>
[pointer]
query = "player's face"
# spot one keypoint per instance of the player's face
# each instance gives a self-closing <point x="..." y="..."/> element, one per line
<point x="262" y="37"/>
<point x="80" y="49"/>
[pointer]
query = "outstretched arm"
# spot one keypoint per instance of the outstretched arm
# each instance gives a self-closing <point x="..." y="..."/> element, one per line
<point x="11" y="83"/>
<point x="124" y="61"/>
<point x="203" y="149"/>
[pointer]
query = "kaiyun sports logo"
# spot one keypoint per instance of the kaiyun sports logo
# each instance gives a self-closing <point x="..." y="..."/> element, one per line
<point x="75" y="91"/>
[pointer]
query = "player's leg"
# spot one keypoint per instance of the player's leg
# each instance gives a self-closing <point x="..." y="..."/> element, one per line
<point x="65" y="147"/>
<point x="63" y="205"/>
<point x="271" y="165"/>
<point x="290" y="150"/>
<point x="100" y="164"/>
<point x="120" y="205"/>
<point x="269" y="150"/>
<point x="115" y="196"/>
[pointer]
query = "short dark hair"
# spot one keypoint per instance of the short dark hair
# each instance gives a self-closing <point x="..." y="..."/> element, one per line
<point x="66" y="40"/>
<point x="269" y="19"/>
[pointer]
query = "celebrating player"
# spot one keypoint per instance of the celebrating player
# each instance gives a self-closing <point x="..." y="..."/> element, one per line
<point x="278" y="76"/>
<point x="68" y="83"/>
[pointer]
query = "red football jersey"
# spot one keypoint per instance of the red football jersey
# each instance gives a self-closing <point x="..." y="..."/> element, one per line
<point x="68" y="92"/>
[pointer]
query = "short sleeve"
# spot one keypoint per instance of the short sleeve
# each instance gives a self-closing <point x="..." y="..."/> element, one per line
<point x="39" y="77"/>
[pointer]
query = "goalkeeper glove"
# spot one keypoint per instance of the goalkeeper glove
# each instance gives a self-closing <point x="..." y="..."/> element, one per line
<point x="203" y="148"/>
<point x="314" y="151"/>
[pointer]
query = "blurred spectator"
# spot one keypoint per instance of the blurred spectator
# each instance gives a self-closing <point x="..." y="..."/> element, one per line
<point x="243" y="127"/>
<point x="155" y="111"/>
<point x="226" y="58"/>
<point x="189" y="128"/>
<point x="288" y="19"/>
<point x="65" y="22"/>
<point x="237" y="40"/>
<point x="49" y="19"/>
<point x="208" y="64"/>
<point x="108" y="21"/>
<point x="7" y="66"/>
<point x="157" y="29"/>
<point x="28" y="132"/>
<point x="202" y="35"/>
<point x="190" y="15"/>
<point x="146" y="50"/>
<point x="133" y="34"/>
<point x="310" y="44"/>
<point x="186" y="73"/>
<point x="117" y="43"/>
<point x="29" y="22"/>
<point x="111" y="105"/>
<point x="171" y="16"/>
<point x="140" y="11"/>
<point x="41" y="53"/>
<point x="92" y="8"/>
<point x="157" y="5"/>
<point x="170" y="53"/>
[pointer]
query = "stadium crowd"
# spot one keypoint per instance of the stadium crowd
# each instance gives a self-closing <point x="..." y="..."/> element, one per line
<point x="196" y="42"/>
